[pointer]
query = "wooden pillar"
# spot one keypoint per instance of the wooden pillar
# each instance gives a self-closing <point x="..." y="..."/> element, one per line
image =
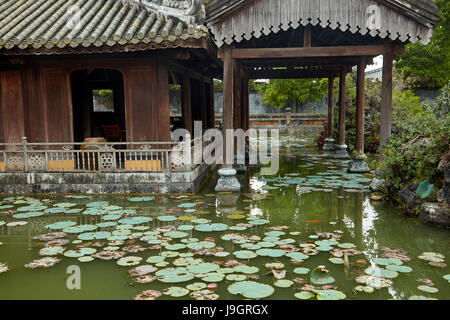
<point x="163" y="102"/>
<point x="212" y="104"/>
<point x="227" y="99"/>
<point x="342" y="108"/>
<point x="386" y="94"/>
<point x="360" y="107"/>
<point x="244" y="100"/>
<point x="330" y="127"/>
<point x="203" y="104"/>
<point x="237" y="94"/>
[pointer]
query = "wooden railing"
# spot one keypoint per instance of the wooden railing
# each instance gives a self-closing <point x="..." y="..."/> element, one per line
<point x="89" y="157"/>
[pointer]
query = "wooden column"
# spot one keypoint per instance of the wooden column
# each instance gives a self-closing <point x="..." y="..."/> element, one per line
<point x="330" y="127"/>
<point x="203" y="104"/>
<point x="342" y="108"/>
<point x="245" y="108"/>
<point x="212" y="104"/>
<point x="386" y="95"/>
<point x="163" y="102"/>
<point x="360" y="107"/>
<point x="227" y="98"/>
<point x="237" y="94"/>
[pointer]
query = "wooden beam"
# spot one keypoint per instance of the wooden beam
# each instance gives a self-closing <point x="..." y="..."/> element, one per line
<point x="276" y="74"/>
<point x="360" y="87"/>
<point x="386" y="95"/>
<point x="342" y="107"/>
<point x="302" y="62"/>
<point x="339" y="51"/>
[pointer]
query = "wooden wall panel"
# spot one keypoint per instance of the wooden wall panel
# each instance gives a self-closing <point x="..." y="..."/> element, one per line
<point x="13" y="122"/>
<point x="163" y="101"/>
<point x="57" y="105"/>
<point x="140" y="104"/>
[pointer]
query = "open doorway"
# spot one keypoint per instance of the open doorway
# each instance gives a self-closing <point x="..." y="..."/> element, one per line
<point x="98" y="105"/>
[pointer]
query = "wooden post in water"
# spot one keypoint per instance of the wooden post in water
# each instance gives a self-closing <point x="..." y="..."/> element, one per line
<point x="329" y="142"/>
<point x="341" y="147"/>
<point x="359" y="165"/>
<point x="386" y="95"/>
<point x="228" y="97"/>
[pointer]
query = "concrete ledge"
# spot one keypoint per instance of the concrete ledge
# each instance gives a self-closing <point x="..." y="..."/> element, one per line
<point x="94" y="182"/>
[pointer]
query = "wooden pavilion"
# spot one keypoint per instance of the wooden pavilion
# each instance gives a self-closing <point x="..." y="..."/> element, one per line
<point x="315" y="39"/>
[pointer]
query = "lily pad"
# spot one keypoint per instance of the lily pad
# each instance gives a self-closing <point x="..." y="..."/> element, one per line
<point x="329" y="295"/>
<point x="301" y="270"/>
<point x="129" y="261"/>
<point x="245" y="254"/>
<point x="428" y="289"/>
<point x="382" y="273"/>
<point x="283" y="283"/>
<point x="304" y="295"/>
<point x="175" y="292"/>
<point x="251" y="289"/>
<point x="321" y="276"/>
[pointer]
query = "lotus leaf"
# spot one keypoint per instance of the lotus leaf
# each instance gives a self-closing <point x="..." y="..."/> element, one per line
<point x="129" y="261"/>
<point x="201" y="245"/>
<point x="337" y="260"/>
<point x="251" y="289"/>
<point x="196" y="286"/>
<point x="185" y="227"/>
<point x="85" y="259"/>
<point x="283" y="283"/>
<point x="167" y="218"/>
<point x="382" y="273"/>
<point x="245" y="254"/>
<point x="329" y="295"/>
<point x="301" y="270"/>
<point x="174" y="275"/>
<point x="321" y="276"/>
<point x="60" y="225"/>
<point x="187" y="205"/>
<point x="401" y="269"/>
<point x="304" y="295"/>
<point x="51" y="251"/>
<point x="175" y="292"/>
<point x="365" y="289"/>
<point x="297" y="256"/>
<point x="274" y="253"/>
<point x="211" y="227"/>
<point x="204" y="267"/>
<point x="421" y="298"/>
<point x="246" y="269"/>
<point x="213" y="277"/>
<point x="428" y="289"/>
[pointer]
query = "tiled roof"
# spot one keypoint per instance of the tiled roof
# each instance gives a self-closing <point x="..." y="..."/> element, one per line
<point x="51" y="24"/>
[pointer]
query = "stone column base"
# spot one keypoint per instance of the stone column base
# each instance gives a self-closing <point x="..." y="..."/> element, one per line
<point x="341" y="152"/>
<point x="228" y="181"/>
<point x="358" y="166"/>
<point x="329" y="145"/>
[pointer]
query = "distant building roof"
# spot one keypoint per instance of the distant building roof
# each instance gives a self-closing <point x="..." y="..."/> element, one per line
<point x="47" y="26"/>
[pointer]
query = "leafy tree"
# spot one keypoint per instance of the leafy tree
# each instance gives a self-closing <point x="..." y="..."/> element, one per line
<point x="278" y="91"/>
<point x="429" y="65"/>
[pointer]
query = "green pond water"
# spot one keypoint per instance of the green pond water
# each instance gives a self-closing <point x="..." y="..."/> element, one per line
<point x="310" y="200"/>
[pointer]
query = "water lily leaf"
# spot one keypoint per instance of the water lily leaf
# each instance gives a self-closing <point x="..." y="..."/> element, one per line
<point x="402" y="269"/>
<point x="175" y="292"/>
<point x="187" y="205"/>
<point x="213" y="277"/>
<point x="196" y="286"/>
<point x="245" y="254"/>
<point x="346" y="245"/>
<point x="167" y="218"/>
<point x="447" y="277"/>
<point x="304" y="295"/>
<point x="251" y="289"/>
<point x="85" y="259"/>
<point x="375" y="282"/>
<point x="329" y="295"/>
<point x="174" y="275"/>
<point x="382" y="273"/>
<point x="425" y="189"/>
<point x="246" y="269"/>
<point x="236" y="277"/>
<point x="321" y="276"/>
<point x="274" y="253"/>
<point x="337" y="260"/>
<point x="301" y="270"/>
<point x="129" y="261"/>
<point x="283" y="283"/>
<point x="211" y="227"/>
<point x="432" y="257"/>
<point x="428" y="289"/>
<point x="60" y="225"/>
<point x="297" y="256"/>
<point x="201" y="245"/>
<point x="94" y="235"/>
<point x="51" y="251"/>
<point x="236" y="216"/>
<point x="365" y="289"/>
<point x="205" y="267"/>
